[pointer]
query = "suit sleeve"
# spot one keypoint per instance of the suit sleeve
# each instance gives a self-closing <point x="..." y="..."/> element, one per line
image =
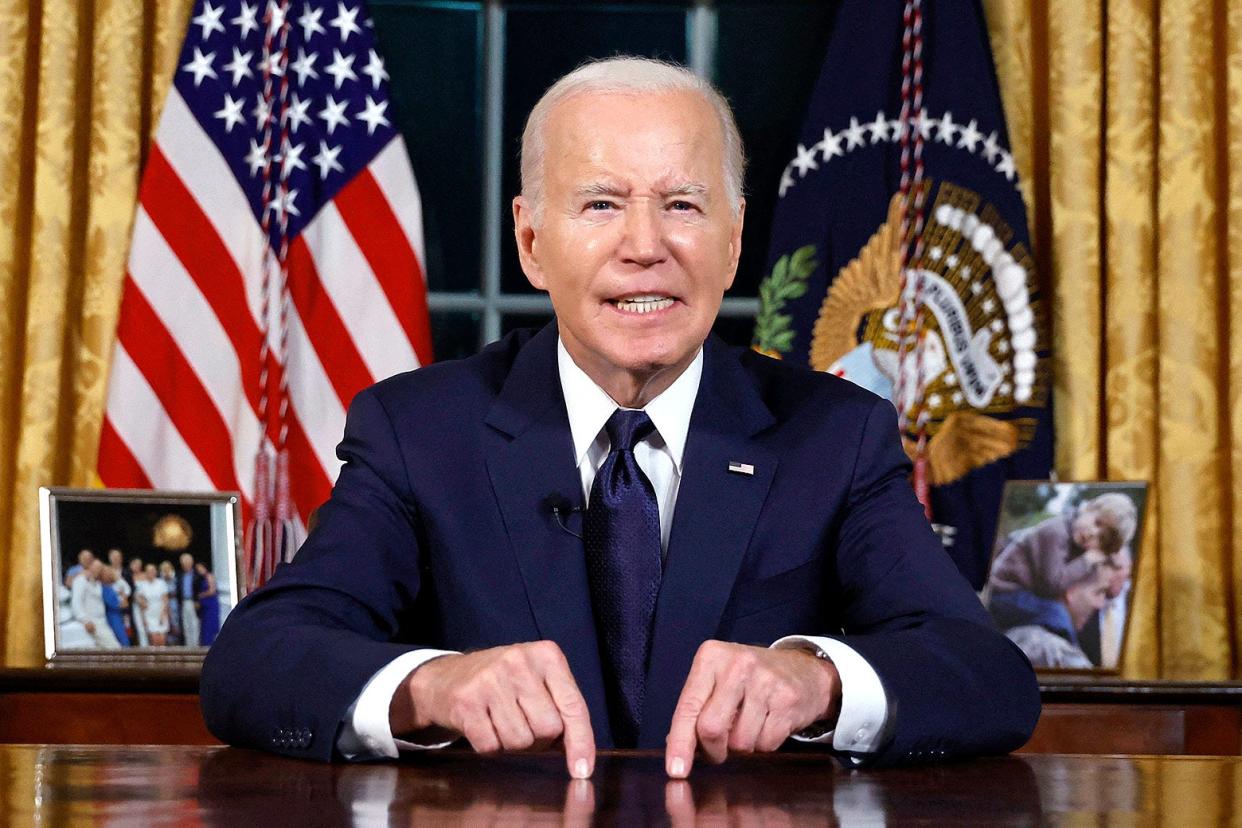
<point x="294" y="655"/>
<point x="955" y="685"/>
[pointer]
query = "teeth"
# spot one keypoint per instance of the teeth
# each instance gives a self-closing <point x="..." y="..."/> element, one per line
<point x="644" y="304"/>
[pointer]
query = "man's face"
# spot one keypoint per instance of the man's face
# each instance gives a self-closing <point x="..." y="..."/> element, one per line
<point x="187" y="562"/>
<point x="135" y="566"/>
<point x="1087" y="529"/>
<point x="634" y="208"/>
<point x="85" y="557"/>
<point x="115" y="558"/>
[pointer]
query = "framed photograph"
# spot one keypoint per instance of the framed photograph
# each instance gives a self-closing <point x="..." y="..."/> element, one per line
<point x="135" y="575"/>
<point x="1062" y="578"/>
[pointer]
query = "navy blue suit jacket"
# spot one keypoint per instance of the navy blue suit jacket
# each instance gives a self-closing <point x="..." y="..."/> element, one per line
<point x="439" y="534"/>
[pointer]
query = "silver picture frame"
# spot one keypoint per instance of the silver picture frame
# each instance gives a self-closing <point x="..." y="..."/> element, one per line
<point x="1061" y="581"/>
<point x="137" y="613"/>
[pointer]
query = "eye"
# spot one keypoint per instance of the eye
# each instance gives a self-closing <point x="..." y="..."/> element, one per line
<point x="682" y="206"/>
<point x="598" y="206"/>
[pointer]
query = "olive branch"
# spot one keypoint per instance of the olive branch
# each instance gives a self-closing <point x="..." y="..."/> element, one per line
<point x="774" y="333"/>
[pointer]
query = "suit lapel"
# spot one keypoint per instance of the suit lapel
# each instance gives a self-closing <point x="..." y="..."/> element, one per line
<point x="537" y="461"/>
<point x="713" y="521"/>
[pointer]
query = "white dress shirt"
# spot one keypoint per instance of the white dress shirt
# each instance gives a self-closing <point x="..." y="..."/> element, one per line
<point x="861" y="726"/>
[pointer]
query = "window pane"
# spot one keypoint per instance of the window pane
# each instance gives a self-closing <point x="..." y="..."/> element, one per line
<point x="543" y="42"/>
<point x="433" y="55"/>
<point x="767" y="61"/>
<point x="514" y="321"/>
<point x="454" y="334"/>
<point x="735" y="330"/>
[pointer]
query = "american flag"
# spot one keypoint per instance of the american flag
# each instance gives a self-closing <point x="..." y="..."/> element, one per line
<point x="276" y="262"/>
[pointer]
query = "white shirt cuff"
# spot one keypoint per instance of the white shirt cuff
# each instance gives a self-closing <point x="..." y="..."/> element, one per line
<point x="365" y="733"/>
<point x="864" y="706"/>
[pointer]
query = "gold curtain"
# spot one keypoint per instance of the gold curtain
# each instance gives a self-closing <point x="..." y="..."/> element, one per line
<point x="83" y="81"/>
<point x="1126" y="119"/>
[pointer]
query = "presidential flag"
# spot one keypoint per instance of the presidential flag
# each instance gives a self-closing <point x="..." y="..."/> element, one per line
<point x="275" y="268"/>
<point x="900" y="257"/>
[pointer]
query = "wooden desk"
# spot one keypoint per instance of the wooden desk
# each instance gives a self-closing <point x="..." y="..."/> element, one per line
<point x="58" y="785"/>
<point x="1081" y="715"/>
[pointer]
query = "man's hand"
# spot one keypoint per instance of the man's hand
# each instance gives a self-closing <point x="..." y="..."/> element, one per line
<point x="745" y="699"/>
<point x="516" y="697"/>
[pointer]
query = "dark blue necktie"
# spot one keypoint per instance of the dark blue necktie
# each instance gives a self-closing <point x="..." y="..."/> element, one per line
<point x="621" y="532"/>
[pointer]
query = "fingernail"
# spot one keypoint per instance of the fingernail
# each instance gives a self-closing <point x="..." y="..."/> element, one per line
<point x="677" y="767"/>
<point x="581" y="769"/>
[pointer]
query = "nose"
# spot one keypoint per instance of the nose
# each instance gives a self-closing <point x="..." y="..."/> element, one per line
<point x="644" y="234"/>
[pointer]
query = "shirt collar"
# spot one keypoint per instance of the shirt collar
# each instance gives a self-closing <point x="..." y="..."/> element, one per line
<point x="589" y="406"/>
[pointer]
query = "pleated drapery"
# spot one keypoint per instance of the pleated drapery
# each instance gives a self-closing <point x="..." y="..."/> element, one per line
<point x="83" y="81"/>
<point x="1126" y="120"/>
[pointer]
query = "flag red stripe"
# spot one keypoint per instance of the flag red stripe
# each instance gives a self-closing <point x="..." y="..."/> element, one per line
<point x="118" y="468"/>
<point x="375" y="228"/>
<point x="190" y="408"/>
<point x="194" y="241"/>
<point x="308" y="482"/>
<point x="327" y="333"/>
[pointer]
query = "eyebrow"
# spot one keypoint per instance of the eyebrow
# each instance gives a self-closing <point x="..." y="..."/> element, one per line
<point x="605" y="189"/>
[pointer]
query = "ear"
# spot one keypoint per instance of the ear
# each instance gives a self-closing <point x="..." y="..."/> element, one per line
<point x="735" y="242"/>
<point x="527" y="243"/>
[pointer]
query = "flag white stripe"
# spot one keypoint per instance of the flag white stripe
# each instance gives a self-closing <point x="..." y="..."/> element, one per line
<point x="199" y="336"/>
<point x="356" y="294"/>
<point x="313" y="398"/>
<point x="141" y="422"/>
<point x="392" y="173"/>
<point x="204" y="172"/>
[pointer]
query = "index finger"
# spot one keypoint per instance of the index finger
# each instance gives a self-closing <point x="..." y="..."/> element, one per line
<point x="578" y="736"/>
<point x="682" y="734"/>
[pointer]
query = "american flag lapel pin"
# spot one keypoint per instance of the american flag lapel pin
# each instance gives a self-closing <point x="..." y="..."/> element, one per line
<point x="741" y="468"/>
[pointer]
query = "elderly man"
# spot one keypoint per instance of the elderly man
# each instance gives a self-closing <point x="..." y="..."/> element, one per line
<point x="618" y="531"/>
<point x="88" y="605"/>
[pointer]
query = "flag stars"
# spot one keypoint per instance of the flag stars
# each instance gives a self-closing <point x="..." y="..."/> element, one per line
<point x="246" y="19"/>
<point x="990" y="148"/>
<point x="951" y="260"/>
<point x="375" y="69"/>
<point x="878" y="128"/>
<point x="935" y="253"/>
<point x="309" y="21"/>
<point x="988" y="305"/>
<point x="284" y="203"/>
<point x="209" y="20"/>
<point x="373" y="115"/>
<point x="975" y="287"/>
<point x="262" y="112"/>
<point x="345" y="22"/>
<point x="786" y="181"/>
<point x="256" y="158"/>
<point x="304" y="66"/>
<point x="326" y="161"/>
<point x="341" y="68"/>
<point x="945" y="128"/>
<point x="290" y="158"/>
<point x="855" y="135"/>
<point x="935" y="400"/>
<point x="275" y="17"/>
<point x="997" y="326"/>
<point x="805" y="161"/>
<point x="970" y="136"/>
<point x="200" y="66"/>
<point x="1006" y="167"/>
<point x="239" y="66"/>
<point x="956" y="397"/>
<point x="295" y="114"/>
<point x="333" y="114"/>
<point x="273" y="64"/>
<point x="231" y="112"/>
<point x="830" y="144"/>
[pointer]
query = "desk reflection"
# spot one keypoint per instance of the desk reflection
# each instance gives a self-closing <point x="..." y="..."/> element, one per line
<point x="452" y="789"/>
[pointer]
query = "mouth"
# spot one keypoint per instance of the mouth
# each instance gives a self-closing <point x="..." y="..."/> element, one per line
<point x="643" y="303"/>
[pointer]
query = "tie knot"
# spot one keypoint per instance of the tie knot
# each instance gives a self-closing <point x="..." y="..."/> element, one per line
<point x="626" y="428"/>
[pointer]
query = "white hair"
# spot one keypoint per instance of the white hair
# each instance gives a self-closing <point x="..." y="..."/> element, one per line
<point x="633" y="75"/>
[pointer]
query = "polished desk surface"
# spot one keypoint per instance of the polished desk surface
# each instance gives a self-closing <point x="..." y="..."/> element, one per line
<point x="114" y="785"/>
